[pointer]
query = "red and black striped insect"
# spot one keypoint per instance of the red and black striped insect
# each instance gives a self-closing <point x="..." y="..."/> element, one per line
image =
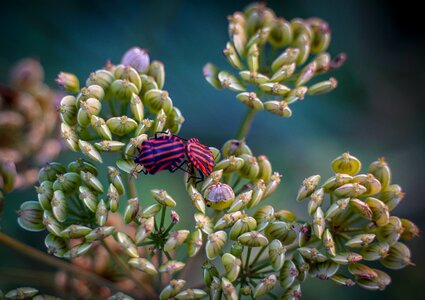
<point x="200" y="156"/>
<point x="165" y="152"/>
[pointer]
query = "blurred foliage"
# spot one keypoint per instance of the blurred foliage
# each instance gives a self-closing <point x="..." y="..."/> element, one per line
<point x="376" y="110"/>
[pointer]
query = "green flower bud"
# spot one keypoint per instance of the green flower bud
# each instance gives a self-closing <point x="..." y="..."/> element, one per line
<point x="253" y="239"/>
<point x="45" y="194"/>
<point x="50" y="171"/>
<point x="131" y="210"/>
<point x="346" y="258"/>
<point x="241" y="226"/>
<point x="302" y="42"/>
<point x="137" y="58"/>
<point x="123" y="89"/>
<point x="229" y="81"/>
<point x="145" y="229"/>
<point x="92" y="91"/>
<point x="191" y="294"/>
<point x="215" y="289"/>
<point x="209" y="273"/>
<point x="128" y="73"/>
<point x="381" y="171"/>
<point x="113" y="198"/>
<point x="280" y="33"/>
<point x="308" y="187"/>
<point x="90" y="151"/>
<point x="316" y="200"/>
<point x="219" y="196"/>
<point x="89" y="199"/>
<point x="230" y="164"/>
<point x="390" y="232"/>
<point x="264" y="216"/>
<point x="237" y="34"/>
<point x="360" y="240"/>
<point x="285" y="216"/>
<point x="335" y="182"/>
<point x="114" y="177"/>
<point x="215" y="244"/>
<point x="304" y="234"/>
<point x="144" y="265"/>
<point x="101" y="213"/>
<point x="300" y="26"/>
<point x="156" y="100"/>
<point x="257" y="194"/>
<point x="277" y="254"/>
<point x="337" y="208"/>
<point x="55" y="245"/>
<point x="287" y="274"/>
<point x="75" y="231"/>
<point x="350" y="190"/>
<point x="101" y="128"/>
<point x="232" y="266"/>
<point x="176" y="239"/>
<point x="328" y="242"/>
<point x="228" y="289"/>
<point x="292" y="293"/>
<point x="289" y="56"/>
<point x="151" y="210"/>
<point x="346" y="164"/>
<point x="81" y="165"/>
<point x="398" y="257"/>
<point x="22" y="293"/>
<point x="102" y="78"/>
<point x="171" y="267"/>
<point x="274" y="88"/>
<point x="378" y="283"/>
<point x="250" y="168"/>
<point x="252" y="58"/>
<point x="380" y="211"/>
<point x="362" y="271"/>
<point x="361" y="208"/>
<point x="265" y="285"/>
<point x="160" y="121"/>
<point x="68" y="81"/>
<point x="318" y="223"/>
<point x="410" y="230"/>
<point x="67" y="183"/>
<point x="323" y="87"/>
<point x="156" y="70"/>
<point x="232" y="56"/>
<point x="194" y="242"/>
<point x="296" y="94"/>
<point x="312" y="254"/>
<point x="375" y="251"/>
<point x="278" y="108"/>
<point x="88" y="108"/>
<point x="391" y="196"/>
<point x="126" y="244"/>
<point x="241" y="201"/>
<point x="99" y="233"/>
<point x="253" y="77"/>
<point x="326" y="269"/>
<point x="228" y="220"/>
<point x="59" y="206"/>
<point x="30" y="216"/>
<point x="321" y="35"/>
<point x="77" y="250"/>
<point x="211" y="75"/>
<point x="197" y="199"/>
<point x="162" y="197"/>
<point x="136" y="107"/>
<point x="51" y="224"/>
<point x="175" y="120"/>
<point x="68" y="110"/>
<point x="121" y="125"/>
<point x="92" y="182"/>
<point x="204" y="223"/>
<point x="306" y="74"/>
<point x="342" y="280"/>
<point x="251" y="100"/>
<point x="172" y="289"/>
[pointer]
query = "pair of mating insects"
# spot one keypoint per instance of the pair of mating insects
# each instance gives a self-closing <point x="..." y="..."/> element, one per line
<point x="167" y="152"/>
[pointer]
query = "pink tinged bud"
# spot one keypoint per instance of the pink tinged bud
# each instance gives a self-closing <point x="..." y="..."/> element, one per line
<point x="137" y="58"/>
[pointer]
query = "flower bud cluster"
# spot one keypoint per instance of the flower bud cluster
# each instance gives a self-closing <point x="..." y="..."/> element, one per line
<point x="28" y="121"/>
<point x="119" y="106"/>
<point x="271" y="56"/>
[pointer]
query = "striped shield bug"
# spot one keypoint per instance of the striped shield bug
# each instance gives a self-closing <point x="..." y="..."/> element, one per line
<point x="165" y="152"/>
<point x="200" y="156"/>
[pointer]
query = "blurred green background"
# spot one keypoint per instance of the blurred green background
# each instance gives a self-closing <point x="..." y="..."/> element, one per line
<point x="377" y="109"/>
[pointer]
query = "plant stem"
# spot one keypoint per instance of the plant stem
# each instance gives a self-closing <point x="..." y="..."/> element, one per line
<point x="261" y="266"/>
<point x="258" y="256"/>
<point x="163" y="210"/>
<point x="55" y="262"/>
<point x="112" y="107"/>
<point x="159" y="265"/>
<point x="246" y="124"/>
<point x="248" y="256"/>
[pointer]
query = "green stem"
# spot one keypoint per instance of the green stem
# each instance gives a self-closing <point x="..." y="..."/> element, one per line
<point x="112" y="107"/>
<point x="246" y="124"/>
<point x="123" y="108"/>
<point x="261" y="266"/>
<point x="55" y="262"/>
<point x="145" y="244"/>
<point x="168" y="229"/>
<point x="159" y="265"/>
<point x="168" y="255"/>
<point x="258" y="255"/>
<point x="163" y="211"/>
<point x="248" y="256"/>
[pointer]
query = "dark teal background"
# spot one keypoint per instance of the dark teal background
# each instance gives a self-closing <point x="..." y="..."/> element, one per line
<point x="377" y="109"/>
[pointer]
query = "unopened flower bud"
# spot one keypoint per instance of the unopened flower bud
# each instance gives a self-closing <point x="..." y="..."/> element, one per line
<point x="346" y="164"/>
<point x="172" y="289"/>
<point x="219" y="196"/>
<point x="144" y="265"/>
<point x="30" y="216"/>
<point x="156" y="70"/>
<point x="279" y="108"/>
<point x="265" y="285"/>
<point x="215" y="244"/>
<point x="68" y="81"/>
<point x="229" y="81"/>
<point x="194" y="242"/>
<point x="171" y="266"/>
<point x="137" y="58"/>
<point x="251" y="100"/>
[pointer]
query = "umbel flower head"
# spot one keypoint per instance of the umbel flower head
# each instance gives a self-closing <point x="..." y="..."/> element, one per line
<point x="28" y="121"/>
<point x="271" y="57"/>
